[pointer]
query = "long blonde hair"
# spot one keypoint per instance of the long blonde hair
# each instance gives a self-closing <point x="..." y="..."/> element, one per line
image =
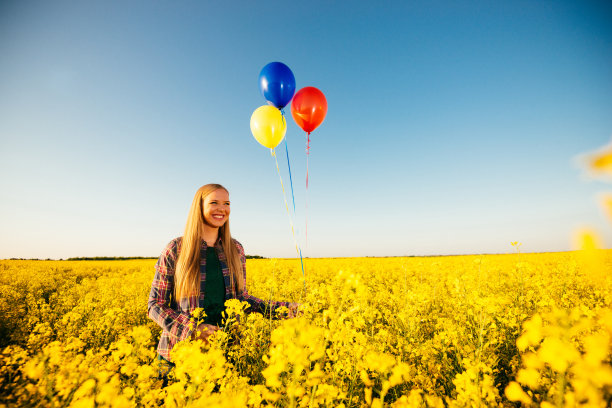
<point x="187" y="274"/>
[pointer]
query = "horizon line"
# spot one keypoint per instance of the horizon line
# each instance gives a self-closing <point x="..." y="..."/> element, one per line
<point x="127" y="258"/>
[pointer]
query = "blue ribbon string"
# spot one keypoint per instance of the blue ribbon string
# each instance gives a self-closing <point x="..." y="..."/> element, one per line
<point x="289" y="167"/>
<point x="290" y="179"/>
<point x="298" y="250"/>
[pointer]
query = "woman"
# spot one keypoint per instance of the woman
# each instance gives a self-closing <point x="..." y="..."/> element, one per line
<point x="202" y="269"/>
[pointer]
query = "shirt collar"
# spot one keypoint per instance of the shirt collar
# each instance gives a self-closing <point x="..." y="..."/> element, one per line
<point x="218" y="244"/>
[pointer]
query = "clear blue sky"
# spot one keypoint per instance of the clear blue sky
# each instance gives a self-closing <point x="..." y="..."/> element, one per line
<point x="452" y="128"/>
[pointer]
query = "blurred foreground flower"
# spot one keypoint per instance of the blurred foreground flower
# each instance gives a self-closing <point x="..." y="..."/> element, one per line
<point x="601" y="161"/>
<point x="591" y="256"/>
<point x="565" y="357"/>
<point x="606" y="203"/>
<point x="587" y="240"/>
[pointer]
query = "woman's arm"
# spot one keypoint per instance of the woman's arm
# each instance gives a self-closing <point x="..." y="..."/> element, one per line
<point x="171" y="319"/>
<point x="257" y="305"/>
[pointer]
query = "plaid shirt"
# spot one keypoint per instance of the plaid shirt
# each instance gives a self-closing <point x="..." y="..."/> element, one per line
<point x="174" y="318"/>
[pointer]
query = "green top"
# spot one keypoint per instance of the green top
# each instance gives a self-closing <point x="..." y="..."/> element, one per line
<point x="214" y="292"/>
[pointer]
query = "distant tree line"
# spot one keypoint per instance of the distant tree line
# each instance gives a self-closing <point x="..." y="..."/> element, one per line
<point x="108" y="258"/>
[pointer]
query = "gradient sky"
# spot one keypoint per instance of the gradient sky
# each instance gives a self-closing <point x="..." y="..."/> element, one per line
<point x="453" y="127"/>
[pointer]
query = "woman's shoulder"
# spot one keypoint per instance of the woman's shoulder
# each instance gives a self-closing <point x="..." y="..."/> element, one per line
<point x="176" y="241"/>
<point x="238" y="245"/>
<point x="168" y="257"/>
<point x="172" y="247"/>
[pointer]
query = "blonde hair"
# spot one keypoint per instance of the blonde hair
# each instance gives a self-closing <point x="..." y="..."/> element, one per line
<point x="187" y="274"/>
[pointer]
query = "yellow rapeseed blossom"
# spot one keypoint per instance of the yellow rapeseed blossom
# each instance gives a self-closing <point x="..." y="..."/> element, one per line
<point x="514" y="392"/>
<point x="403" y="332"/>
<point x="532" y="334"/>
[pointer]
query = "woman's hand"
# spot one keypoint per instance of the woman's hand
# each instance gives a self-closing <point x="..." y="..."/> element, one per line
<point x="293" y="310"/>
<point x="204" y="331"/>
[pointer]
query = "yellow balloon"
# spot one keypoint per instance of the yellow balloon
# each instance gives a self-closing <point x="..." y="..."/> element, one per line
<point x="268" y="126"/>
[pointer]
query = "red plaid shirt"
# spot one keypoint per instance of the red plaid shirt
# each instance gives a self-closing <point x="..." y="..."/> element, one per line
<point x="174" y="318"/>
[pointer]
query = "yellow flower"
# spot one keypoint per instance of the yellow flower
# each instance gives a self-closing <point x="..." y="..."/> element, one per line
<point x="557" y="354"/>
<point x="601" y="161"/>
<point x="34" y="369"/>
<point x="141" y="334"/>
<point x="529" y="377"/>
<point x="85" y="389"/>
<point x="596" y="347"/>
<point x="514" y="392"/>
<point x="532" y="333"/>
<point x="315" y="376"/>
<point x="379" y="362"/>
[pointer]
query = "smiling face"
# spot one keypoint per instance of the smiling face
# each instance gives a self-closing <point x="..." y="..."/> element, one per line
<point x="216" y="208"/>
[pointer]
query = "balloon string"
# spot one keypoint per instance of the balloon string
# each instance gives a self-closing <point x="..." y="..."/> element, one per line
<point x="297" y="249"/>
<point x="289" y="166"/>
<point x="307" y="156"/>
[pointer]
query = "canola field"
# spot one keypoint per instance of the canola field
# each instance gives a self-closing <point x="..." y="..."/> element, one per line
<point x="463" y="331"/>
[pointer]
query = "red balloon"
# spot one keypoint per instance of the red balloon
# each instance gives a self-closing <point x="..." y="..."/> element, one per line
<point x="308" y="108"/>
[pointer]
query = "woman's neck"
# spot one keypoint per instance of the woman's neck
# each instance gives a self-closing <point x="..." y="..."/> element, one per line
<point x="210" y="235"/>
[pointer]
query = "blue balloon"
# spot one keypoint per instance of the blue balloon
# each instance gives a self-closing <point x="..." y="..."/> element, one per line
<point x="277" y="84"/>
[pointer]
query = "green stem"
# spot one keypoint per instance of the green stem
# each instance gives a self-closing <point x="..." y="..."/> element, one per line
<point x="561" y="390"/>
